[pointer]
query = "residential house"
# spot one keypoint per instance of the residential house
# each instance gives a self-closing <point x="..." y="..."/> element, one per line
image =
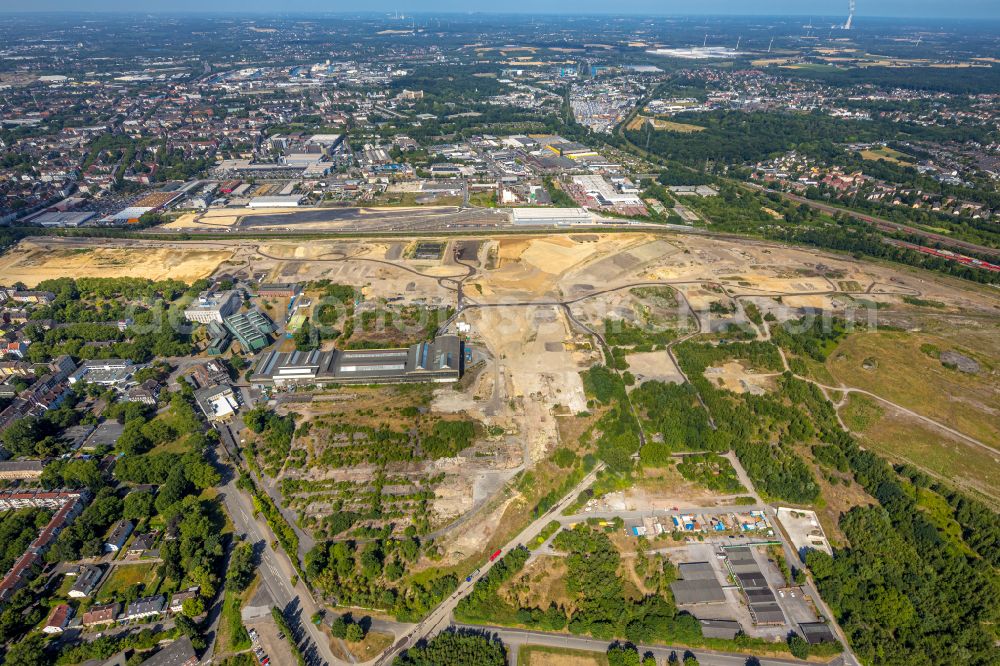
<point x="179" y="653"/>
<point x="119" y="535"/>
<point x="142" y="543"/>
<point x="100" y="614"/>
<point x="58" y="619"/>
<point x="147" y="393"/>
<point x="178" y="599"/>
<point x="86" y="581"/>
<point x="143" y="608"/>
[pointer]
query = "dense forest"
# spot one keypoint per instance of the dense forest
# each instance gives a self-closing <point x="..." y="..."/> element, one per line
<point x="957" y="81"/>
<point x="374" y="575"/>
<point x="456" y="648"/>
<point x="738" y="137"/>
<point x="905" y="591"/>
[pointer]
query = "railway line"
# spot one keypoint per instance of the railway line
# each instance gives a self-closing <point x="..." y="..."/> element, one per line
<point x="885" y="225"/>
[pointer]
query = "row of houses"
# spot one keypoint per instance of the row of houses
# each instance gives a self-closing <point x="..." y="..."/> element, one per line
<point x="70" y="506"/>
<point x="45" y="393"/>
<point x="142" y="609"/>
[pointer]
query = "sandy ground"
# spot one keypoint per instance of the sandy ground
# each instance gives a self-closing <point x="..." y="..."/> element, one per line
<point x="654" y="366"/>
<point x="534" y="354"/>
<point x="540" y="358"/>
<point x="734" y="377"/>
<point x="662" y="488"/>
<point x="31" y="262"/>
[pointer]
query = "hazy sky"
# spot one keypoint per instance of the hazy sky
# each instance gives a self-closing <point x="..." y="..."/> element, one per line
<point x="909" y="8"/>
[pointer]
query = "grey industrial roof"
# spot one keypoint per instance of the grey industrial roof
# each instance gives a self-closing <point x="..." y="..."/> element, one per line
<point x="817" y="632"/>
<point x="697" y="571"/>
<point x="443" y="355"/>
<point x="739" y="554"/>
<point x="759" y="596"/>
<point x="106" y="433"/>
<point x="697" y="591"/>
<point x="279" y="286"/>
<point x="751" y="581"/>
<point x="21" y="466"/>
<point x="767" y="614"/>
<point x="744" y="567"/>
<point x="719" y="628"/>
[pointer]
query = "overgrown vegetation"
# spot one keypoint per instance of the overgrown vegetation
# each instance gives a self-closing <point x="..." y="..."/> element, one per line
<point x="712" y="471"/>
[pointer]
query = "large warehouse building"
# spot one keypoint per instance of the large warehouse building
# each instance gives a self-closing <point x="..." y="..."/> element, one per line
<point x="437" y="361"/>
<point x="560" y="217"/>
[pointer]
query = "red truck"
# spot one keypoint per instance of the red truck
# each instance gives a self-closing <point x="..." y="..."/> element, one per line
<point x="494" y="556"/>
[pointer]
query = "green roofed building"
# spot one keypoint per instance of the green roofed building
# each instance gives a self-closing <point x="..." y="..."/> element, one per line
<point x="251" y="329"/>
<point x="219" y="339"/>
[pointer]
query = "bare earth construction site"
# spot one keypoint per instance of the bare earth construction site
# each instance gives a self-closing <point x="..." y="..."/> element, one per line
<point x="533" y="302"/>
<point x="548" y="325"/>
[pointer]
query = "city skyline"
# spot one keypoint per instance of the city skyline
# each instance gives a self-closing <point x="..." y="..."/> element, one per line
<point x="960" y="9"/>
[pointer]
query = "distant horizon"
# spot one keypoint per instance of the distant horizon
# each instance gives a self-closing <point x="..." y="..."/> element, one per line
<point x="958" y="10"/>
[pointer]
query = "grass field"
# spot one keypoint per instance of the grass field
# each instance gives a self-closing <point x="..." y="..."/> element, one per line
<point x="887" y="154"/>
<point x="537" y="655"/>
<point x="670" y="126"/>
<point x="125" y="576"/>
<point x="232" y="634"/>
<point x="892" y="365"/>
<point x="372" y="645"/>
<point x="902" y="439"/>
<point x="861" y="412"/>
<point x="812" y="67"/>
<point x="937" y="509"/>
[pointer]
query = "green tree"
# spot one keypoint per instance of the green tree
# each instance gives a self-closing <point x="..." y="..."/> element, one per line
<point x="138" y="505"/>
<point x="304" y="338"/>
<point x="338" y="628"/>
<point x="241" y="567"/>
<point x="456" y="648"/>
<point x="28" y="652"/>
<point x="798" y="646"/>
<point x="354" y="632"/>
<point x="193" y="607"/>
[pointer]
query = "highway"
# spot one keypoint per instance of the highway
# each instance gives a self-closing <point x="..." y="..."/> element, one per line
<point x="440" y="618"/>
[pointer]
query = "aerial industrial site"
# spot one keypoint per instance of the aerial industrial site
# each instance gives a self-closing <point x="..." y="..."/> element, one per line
<point x="481" y="339"/>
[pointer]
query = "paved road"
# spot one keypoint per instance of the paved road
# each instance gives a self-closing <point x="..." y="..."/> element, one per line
<point x="515" y="638"/>
<point x="440" y="618"/>
<point x="276" y="572"/>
